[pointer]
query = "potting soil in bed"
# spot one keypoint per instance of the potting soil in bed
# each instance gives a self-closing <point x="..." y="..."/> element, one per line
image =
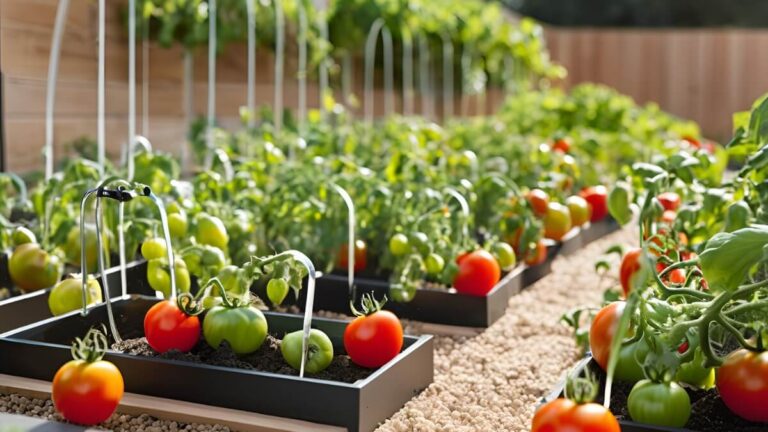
<point x="493" y="381"/>
<point x="268" y="358"/>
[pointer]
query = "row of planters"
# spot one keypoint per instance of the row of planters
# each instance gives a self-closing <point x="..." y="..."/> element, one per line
<point x="684" y="343"/>
<point x="410" y="210"/>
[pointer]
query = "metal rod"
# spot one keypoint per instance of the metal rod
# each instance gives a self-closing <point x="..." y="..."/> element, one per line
<point x="50" y="97"/>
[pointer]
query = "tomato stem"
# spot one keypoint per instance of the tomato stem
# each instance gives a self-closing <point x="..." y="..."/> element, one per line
<point x="90" y="348"/>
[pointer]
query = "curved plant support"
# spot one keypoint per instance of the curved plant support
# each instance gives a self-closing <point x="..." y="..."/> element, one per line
<point x="407" y="71"/>
<point x="189" y="103"/>
<point x="307" y="325"/>
<point x="464" y="210"/>
<point x="370" y="60"/>
<point x="279" y="63"/>
<point x="131" y="84"/>
<point x="322" y="23"/>
<point x="211" y="83"/>
<point x="226" y="163"/>
<point x="447" y="75"/>
<point x="100" y="138"/>
<point x="425" y="79"/>
<point x="251" y="10"/>
<point x="145" y="78"/>
<point x="302" y="72"/>
<point x="351" y="223"/>
<point x="53" y="71"/>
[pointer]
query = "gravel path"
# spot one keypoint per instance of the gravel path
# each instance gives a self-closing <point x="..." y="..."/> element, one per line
<point x="493" y="381"/>
<point x="488" y="382"/>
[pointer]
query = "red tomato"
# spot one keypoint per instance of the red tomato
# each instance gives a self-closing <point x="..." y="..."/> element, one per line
<point x="743" y="384"/>
<point x="630" y="264"/>
<point x="564" y="415"/>
<point x="537" y="256"/>
<point x="695" y="143"/>
<point x="168" y="328"/>
<point x="562" y="145"/>
<point x="361" y="256"/>
<point x="604" y="326"/>
<point x="668" y="217"/>
<point x="373" y="340"/>
<point x="87" y="393"/>
<point x="478" y="273"/>
<point x="539" y="201"/>
<point x="676" y="276"/>
<point x="669" y="200"/>
<point x="460" y="257"/>
<point x="597" y="197"/>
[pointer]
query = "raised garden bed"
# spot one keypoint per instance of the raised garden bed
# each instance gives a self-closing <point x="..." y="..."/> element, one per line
<point x="24" y="309"/>
<point x="358" y="405"/>
<point x="708" y="412"/>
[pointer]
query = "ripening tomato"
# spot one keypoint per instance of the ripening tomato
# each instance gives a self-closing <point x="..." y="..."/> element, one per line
<point x="630" y="265"/>
<point x="668" y="217"/>
<point x="676" y="276"/>
<point x="361" y="256"/>
<point x="695" y="143"/>
<point x="478" y="273"/>
<point x="669" y="200"/>
<point x="87" y="389"/>
<point x="375" y="337"/>
<point x="743" y="384"/>
<point x="564" y="415"/>
<point x="604" y="326"/>
<point x="539" y="201"/>
<point x="597" y="197"/>
<point x="557" y="221"/>
<point x="562" y="145"/>
<point x="579" y="208"/>
<point x="538" y="255"/>
<point x="168" y="327"/>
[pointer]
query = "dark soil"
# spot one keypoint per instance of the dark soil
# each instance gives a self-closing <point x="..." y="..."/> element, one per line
<point x="268" y="358"/>
<point x="708" y="412"/>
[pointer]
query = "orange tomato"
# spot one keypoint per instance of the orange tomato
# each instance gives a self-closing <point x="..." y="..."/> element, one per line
<point x="87" y="393"/>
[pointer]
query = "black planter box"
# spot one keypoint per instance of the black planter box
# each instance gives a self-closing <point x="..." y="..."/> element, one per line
<point x="439" y="306"/>
<point x="359" y="406"/>
<point x="28" y="308"/>
<point x="626" y="425"/>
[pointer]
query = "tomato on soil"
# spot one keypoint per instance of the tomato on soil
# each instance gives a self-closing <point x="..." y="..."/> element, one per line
<point x="539" y="201"/>
<point x="167" y="327"/>
<point x="478" y="273"/>
<point x="566" y="415"/>
<point x="373" y="338"/>
<point x="597" y="197"/>
<point x="743" y="384"/>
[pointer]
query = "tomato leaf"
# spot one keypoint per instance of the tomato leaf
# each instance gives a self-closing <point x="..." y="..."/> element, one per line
<point x="728" y="257"/>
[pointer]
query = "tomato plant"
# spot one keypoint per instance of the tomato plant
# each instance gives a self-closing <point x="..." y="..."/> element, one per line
<point x="87" y="389"/>
<point x="375" y="337"/>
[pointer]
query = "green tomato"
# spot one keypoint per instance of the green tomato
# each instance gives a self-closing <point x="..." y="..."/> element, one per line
<point x="244" y="328"/>
<point x="631" y="359"/>
<point x="319" y="350"/>
<point x="67" y="295"/>
<point x="420" y="242"/>
<point x="694" y="372"/>
<point x="22" y="235"/>
<point x="213" y="258"/>
<point x="659" y="404"/>
<point x="211" y="231"/>
<point x="232" y="279"/>
<point x="504" y="255"/>
<point x="31" y="268"/>
<point x="277" y="290"/>
<point x="154" y="248"/>
<point x="434" y="264"/>
<point x="159" y="277"/>
<point x="398" y="245"/>
<point x="73" y="252"/>
<point x="178" y="225"/>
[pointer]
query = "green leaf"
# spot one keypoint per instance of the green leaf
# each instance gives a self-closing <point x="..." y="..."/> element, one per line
<point x="728" y="257"/>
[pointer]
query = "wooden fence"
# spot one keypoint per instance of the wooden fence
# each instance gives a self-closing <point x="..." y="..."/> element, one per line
<point x="700" y="74"/>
